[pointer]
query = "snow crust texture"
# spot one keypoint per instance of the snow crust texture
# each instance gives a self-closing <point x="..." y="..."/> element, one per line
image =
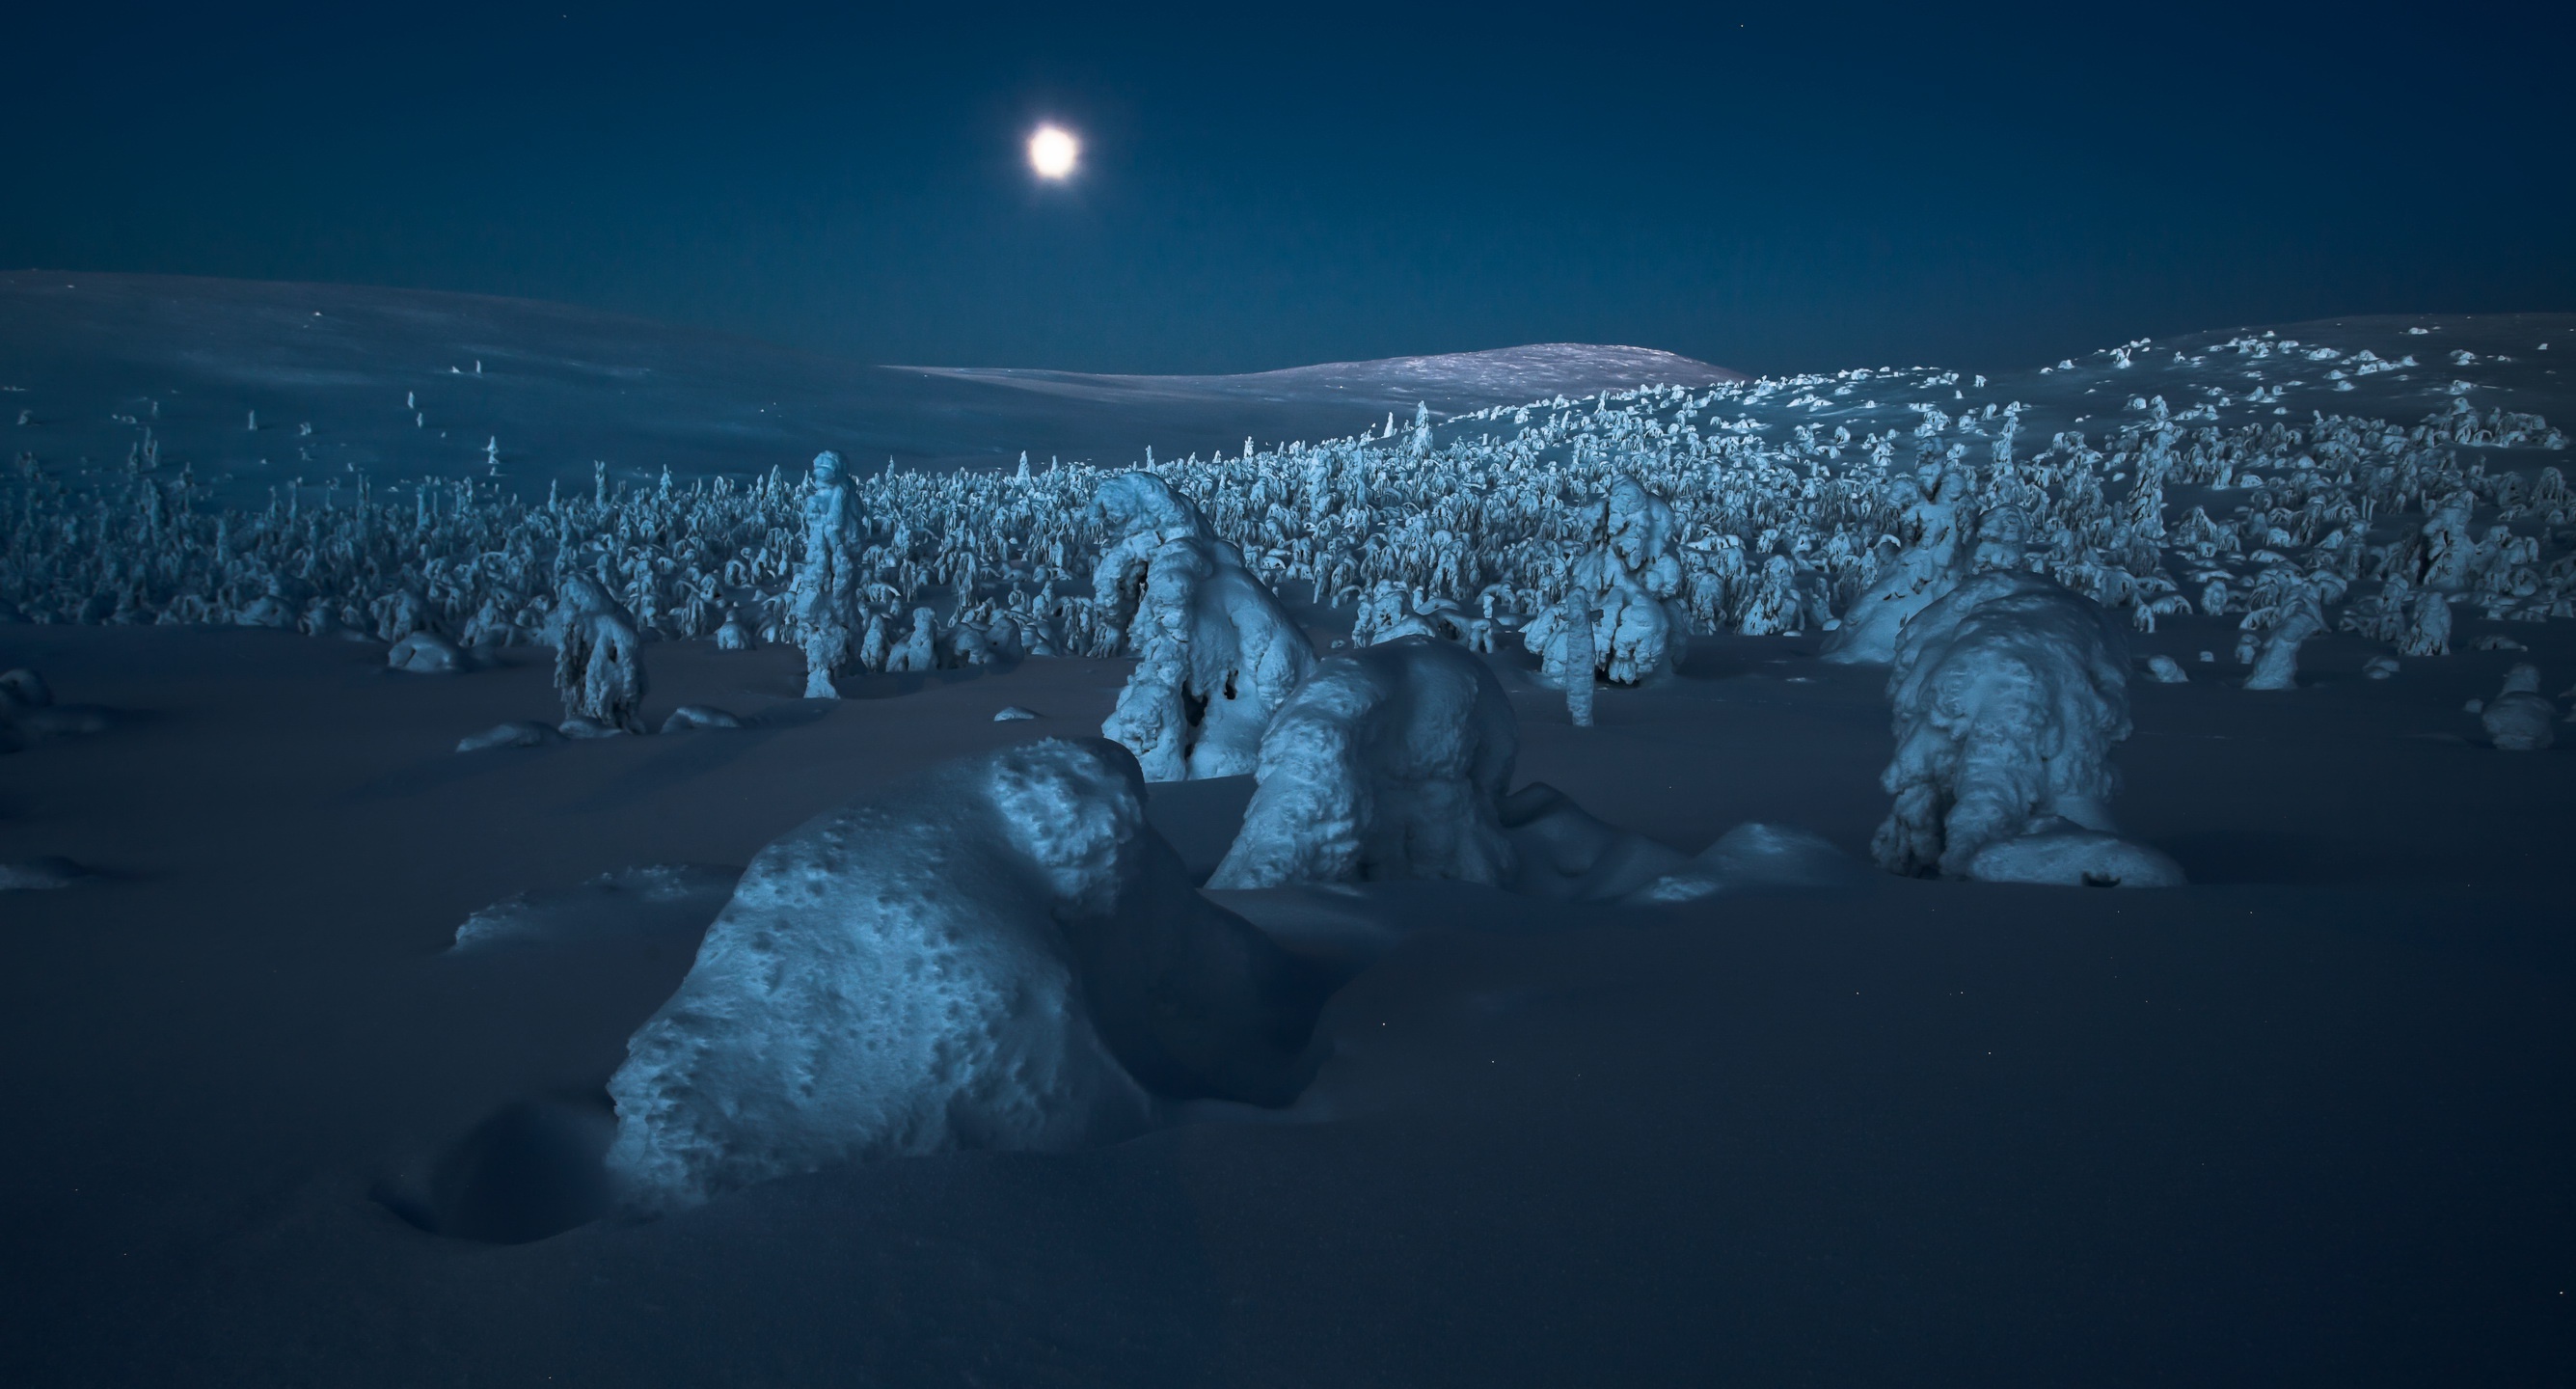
<point x="2009" y="695"/>
<point x="1387" y="763"/>
<point x="999" y="954"/>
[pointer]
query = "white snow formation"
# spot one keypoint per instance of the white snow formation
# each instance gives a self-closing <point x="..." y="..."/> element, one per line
<point x="599" y="664"/>
<point x="628" y="902"/>
<point x="516" y="734"/>
<point x="1216" y="655"/>
<point x="1622" y="578"/>
<point x="1387" y="763"/>
<point x="40" y="874"/>
<point x="424" y="653"/>
<point x="1927" y="567"/>
<point x="2171" y="482"/>
<point x="2519" y="718"/>
<point x="695" y="716"/>
<point x="998" y="954"/>
<point x="2009" y="694"/>
<point x="2296" y="613"/>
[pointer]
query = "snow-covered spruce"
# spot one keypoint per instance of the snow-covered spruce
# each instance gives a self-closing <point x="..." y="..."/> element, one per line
<point x="1927" y="566"/>
<point x="1216" y="655"/>
<point x="599" y="662"/>
<point x="1387" y="763"/>
<point x="1783" y="494"/>
<point x="999" y="953"/>
<point x="2295" y="612"/>
<point x="827" y="578"/>
<point x="1622" y="578"/>
<point x="2009" y="694"/>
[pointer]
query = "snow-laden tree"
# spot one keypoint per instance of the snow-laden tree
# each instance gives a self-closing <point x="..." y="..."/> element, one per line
<point x="1623" y="577"/>
<point x="2009" y="694"/>
<point x="1929" y="564"/>
<point x="1216" y="655"/>
<point x="1390" y="762"/>
<point x="599" y="660"/>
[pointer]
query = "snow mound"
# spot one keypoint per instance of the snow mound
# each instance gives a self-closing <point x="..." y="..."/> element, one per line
<point x="1216" y="654"/>
<point x="2063" y="855"/>
<point x="2009" y="694"/>
<point x="40" y="874"/>
<point x="663" y="898"/>
<point x="1564" y="853"/>
<point x="691" y="716"/>
<point x="1012" y="713"/>
<point x="1754" y="857"/>
<point x="522" y="733"/>
<point x="24" y="689"/>
<point x="425" y="653"/>
<point x="1387" y="763"/>
<point x="2518" y="719"/>
<point x="999" y="953"/>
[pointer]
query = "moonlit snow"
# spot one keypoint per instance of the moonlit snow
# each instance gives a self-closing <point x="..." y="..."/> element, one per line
<point x="993" y="956"/>
<point x="2010" y="693"/>
<point x="1390" y="762"/>
<point x="1544" y="820"/>
<point x="1215" y="653"/>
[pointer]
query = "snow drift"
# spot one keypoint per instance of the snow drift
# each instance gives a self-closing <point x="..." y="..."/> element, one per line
<point x="998" y="954"/>
<point x="1387" y="763"/>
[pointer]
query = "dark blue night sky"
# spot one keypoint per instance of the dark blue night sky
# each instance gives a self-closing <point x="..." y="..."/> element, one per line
<point x="1810" y="188"/>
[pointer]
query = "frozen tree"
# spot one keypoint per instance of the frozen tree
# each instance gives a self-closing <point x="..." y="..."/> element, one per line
<point x="826" y="578"/>
<point x="2295" y="614"/>
<point x="1387" y="763"/>
<point x="1920" y="573"/>
<point x="1622" y="579"/>
<point x="2519" y="718"/>
<point x="1000" y="953"/>
<point x="599" y="661"/>
<point x="2428" y="628"/>
<point x="1216" y="654"/>
<point x="918" y="651"/>
<point x="2009" y="694"/>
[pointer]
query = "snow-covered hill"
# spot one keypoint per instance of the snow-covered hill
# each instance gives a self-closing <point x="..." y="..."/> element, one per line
<point x="407" y="384"/>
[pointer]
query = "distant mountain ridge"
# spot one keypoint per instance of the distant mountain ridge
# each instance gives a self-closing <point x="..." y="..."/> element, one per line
<point x="399" y="383"/>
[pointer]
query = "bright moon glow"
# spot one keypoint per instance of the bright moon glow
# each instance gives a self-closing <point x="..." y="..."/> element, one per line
<point x="1052" y="152"/>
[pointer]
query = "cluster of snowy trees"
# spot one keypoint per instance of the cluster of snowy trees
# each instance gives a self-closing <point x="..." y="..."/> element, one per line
<point x="1603" y="530"/>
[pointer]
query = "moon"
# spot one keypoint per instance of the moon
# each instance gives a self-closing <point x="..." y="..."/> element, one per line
<point x="1052" y="152"/>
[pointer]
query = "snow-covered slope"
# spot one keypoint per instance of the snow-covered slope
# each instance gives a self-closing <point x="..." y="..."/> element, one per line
<point x="404" y="384"/>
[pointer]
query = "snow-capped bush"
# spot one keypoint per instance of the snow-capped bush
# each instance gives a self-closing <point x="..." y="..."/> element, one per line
<point x="1215" y="653"/>
<point x="1000" y="953"/>
<point x="1387" y="763"/>
<point x="2009" y="694"/>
